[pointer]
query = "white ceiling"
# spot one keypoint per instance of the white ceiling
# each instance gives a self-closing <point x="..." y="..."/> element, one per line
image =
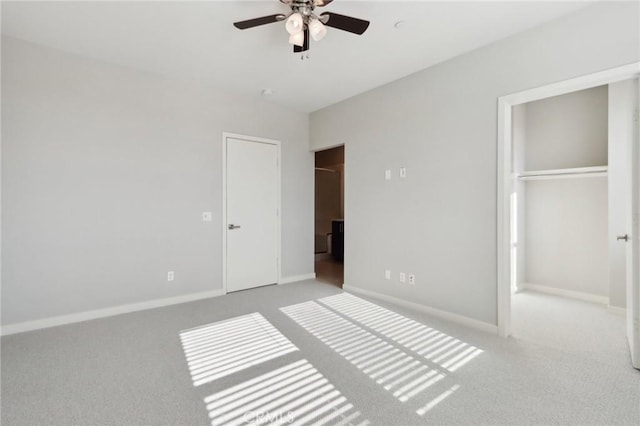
<point x="196" y="41"/>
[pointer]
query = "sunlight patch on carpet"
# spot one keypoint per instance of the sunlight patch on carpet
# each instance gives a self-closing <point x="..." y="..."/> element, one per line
<point x="393" y="369"/>
<point x="226" y="347"/>
<point x="296" y="394"/>
<point x="433" y="345"/>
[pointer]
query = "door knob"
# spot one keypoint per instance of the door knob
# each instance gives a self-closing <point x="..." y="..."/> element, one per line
<point x="232" y="226"/>
<point x="624" y="237"/>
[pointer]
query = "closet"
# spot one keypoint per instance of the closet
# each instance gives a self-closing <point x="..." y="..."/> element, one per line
<point x="560" y="205"/>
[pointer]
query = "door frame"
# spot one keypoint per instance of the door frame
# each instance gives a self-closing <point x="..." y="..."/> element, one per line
<point x="504" y="178"/>
<point x="315" y="150"/>
<point x="278" y="145"/>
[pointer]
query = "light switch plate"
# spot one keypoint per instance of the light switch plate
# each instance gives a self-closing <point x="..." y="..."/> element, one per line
<point x="403" y="172"/>
<point x="207" y="216"/>
<point x="387" y="174"/>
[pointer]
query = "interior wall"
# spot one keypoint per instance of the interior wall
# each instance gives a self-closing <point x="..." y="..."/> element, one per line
<point x="567" y="235"/>
<point x="105" y="174"/>
<point x="330" y="157"/>
<point x="518" y="229"/>
<point x="567" y="131"/>
<point x="441" y="124"/>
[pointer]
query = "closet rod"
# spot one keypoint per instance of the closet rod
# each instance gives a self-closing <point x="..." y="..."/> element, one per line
<point x="581" y="172"/>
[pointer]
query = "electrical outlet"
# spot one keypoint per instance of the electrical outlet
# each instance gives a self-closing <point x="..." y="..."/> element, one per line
<point x="403" y="277"/>
<point x="207" y="216"/>
<point x="412" y="279"/>
<point x="170" y="276"/>
<point x="387" y="274"/>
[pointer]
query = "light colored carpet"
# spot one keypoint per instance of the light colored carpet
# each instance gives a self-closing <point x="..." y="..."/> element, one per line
<point x="318" y="356"/>
<point x="568" y="325"/>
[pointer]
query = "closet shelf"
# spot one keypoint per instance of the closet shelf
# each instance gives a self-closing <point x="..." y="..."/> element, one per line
<point x="579" y="172"/>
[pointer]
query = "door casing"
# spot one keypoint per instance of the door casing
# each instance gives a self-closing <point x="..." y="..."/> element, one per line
<point x="504" y="178"/>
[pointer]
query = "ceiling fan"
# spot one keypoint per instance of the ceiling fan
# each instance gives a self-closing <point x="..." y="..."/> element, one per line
<point x="302" y="22"/>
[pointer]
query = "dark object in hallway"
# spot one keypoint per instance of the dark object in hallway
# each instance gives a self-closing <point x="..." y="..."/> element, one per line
<point x="337" y="239"/>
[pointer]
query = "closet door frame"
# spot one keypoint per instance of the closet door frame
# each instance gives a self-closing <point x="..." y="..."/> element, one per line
<point x="505" y="171"/>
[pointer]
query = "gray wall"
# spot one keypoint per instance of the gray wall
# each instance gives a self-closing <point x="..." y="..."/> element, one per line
<point x="567" y="131"/>
<point x="440" y="222"/>
<point x="566" y="228"/>
<point x="105" y="174"/>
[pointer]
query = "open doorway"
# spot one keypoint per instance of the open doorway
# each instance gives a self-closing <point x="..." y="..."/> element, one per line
<point x="329" y="216"/>
<point x="560" y="231"/>
<point x="568" y="180"/>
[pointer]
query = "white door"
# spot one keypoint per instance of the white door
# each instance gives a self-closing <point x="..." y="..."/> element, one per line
<point x="624" y="192"/>
<point x="623" y="205"/>
<point x="252" y="208"/>
<point x="633" y="234"/>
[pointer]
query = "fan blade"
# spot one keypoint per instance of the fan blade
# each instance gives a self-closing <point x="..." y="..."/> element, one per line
<point x="345" y="23"/>
<point x="305" y="46"/>
<point x="320" y="3"/>
<point x="250" y="23"/>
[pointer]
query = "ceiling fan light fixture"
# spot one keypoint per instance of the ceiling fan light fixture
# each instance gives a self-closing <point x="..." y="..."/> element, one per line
<point x="294" y="23"/>
<point x="297" y="38"/>
<point x="317" y="29"/>
<point x="302" y="24"/>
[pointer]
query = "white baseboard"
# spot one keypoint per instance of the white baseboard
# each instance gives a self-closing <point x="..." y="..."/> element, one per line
<point x="578" y="295"/>
<point x="617" y="310"/>
<point x="106" y="312"/>
<point x="466" y="321"/>
<point x="296" y="278"/>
